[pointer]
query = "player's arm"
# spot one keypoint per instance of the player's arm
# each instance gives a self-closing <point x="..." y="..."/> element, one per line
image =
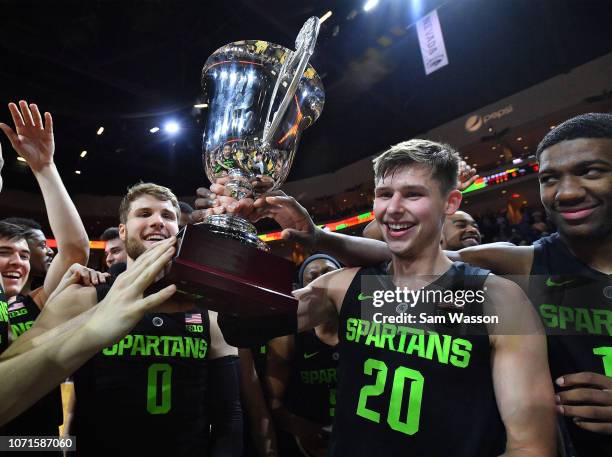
<point x="223" y="395"/>
<point x="33" y="140"/>
<point x="298" y="226"/>
<point x="74" y="296"/>
<point x="320" y="301"/>
<point x="281" y="352"/>
<point x="260" y="420"/>
<point x="296" y="223"/>
<point x="502" y="258"/>
<point x="30" y="371"/>
<point x="317" y="304"/>
<point x="521" y="378"/>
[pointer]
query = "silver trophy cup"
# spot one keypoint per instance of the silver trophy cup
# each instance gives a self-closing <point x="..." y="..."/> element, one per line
<point x="260" y="97"/>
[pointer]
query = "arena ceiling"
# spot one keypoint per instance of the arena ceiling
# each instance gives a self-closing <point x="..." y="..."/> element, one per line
<point x="131" y="65"/>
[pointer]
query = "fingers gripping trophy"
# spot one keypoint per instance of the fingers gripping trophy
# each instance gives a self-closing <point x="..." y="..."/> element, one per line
<point x="260" y="96"/>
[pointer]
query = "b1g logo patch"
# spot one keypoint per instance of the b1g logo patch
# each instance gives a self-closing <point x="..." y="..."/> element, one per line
<point x="193" y="322"/>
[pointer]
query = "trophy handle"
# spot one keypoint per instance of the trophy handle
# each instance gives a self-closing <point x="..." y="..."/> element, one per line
<point x="304" y="48"/>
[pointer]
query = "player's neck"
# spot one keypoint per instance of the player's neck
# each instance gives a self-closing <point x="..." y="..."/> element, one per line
<point x="595" y="252"/>
<point x="27" y="287"/>
<point x="430" y="261"/>
<point x="129" y="262"/>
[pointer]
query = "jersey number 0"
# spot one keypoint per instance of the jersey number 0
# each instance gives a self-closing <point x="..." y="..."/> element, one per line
<point x="159" y="388"/>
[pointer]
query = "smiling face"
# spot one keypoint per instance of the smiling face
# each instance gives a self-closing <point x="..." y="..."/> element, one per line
<point x="410" y="209"/>
<point x="149" y="220"/>
<point x="460" y="231"/>
<point x="576" y="186"/>
<point x="14" y="264"/>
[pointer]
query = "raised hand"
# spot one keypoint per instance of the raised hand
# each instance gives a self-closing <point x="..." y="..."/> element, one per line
<point x="466" y="176"/>
<point x="293" y="218"/>
<point x="125" y="305"/>
<point x="32" y="138"/>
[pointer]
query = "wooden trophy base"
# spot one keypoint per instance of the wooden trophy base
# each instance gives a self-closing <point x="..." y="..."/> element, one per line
<point x="226" y="275"/>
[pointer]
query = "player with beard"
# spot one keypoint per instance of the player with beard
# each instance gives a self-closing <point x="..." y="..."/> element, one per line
<point x="505" y="384"/>
<point x="570" y="270"/>
<point x="169" y="381"/>
<point x="54" y="347"/>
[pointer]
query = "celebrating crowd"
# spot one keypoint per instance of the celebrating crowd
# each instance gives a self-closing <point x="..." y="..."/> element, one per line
<point x="159" y="374"/>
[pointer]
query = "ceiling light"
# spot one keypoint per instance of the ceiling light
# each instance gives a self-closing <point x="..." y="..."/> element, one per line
<point x="325" y="17"/>
<point x="154" y="130"/>
<point x="83" y="153"/>
<point x="520" y="138"/>
<point x="494" y="147"/>
<point x="552" y="127"/>
<point x="172" y="127"/>
<point x="504" y="191"/>
<point x="370" y="4"/>
<point x="525" y="147"/>
<point x="78" y="172"/>
<point x="501" y="156"/>
<point x="100" y="131"/>
<point x="201" y="105"/>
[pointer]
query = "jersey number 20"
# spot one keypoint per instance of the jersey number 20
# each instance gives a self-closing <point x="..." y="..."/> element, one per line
<point x="410" y="425"/>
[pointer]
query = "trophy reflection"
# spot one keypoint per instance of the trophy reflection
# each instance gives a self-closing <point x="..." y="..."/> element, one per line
<point x="260" y="97"/>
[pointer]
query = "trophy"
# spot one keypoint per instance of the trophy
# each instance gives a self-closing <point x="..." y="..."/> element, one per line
<point x="260" y="97"/>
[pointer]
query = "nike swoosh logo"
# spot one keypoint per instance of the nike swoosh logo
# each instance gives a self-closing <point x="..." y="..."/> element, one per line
<point x="362" y="297"/>
<point x="308" y="356"/>
<point x="551" y="283"/>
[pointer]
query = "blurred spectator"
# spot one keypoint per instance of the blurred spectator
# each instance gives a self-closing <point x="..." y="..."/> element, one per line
<point x="114" y="249"/>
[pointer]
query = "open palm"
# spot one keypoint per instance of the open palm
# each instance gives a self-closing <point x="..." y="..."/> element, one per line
<point x="32" y="139"/>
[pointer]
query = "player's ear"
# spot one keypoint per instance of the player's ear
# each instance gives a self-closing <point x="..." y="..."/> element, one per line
<point x="122" y="232"/>
<point x="453" y="200"/>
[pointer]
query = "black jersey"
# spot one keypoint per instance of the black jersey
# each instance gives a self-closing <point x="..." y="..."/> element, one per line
<point x="410" y="390"/>
<point x="312" y="388"/>
<point x="575" y="304"/>
<point x="44" y="417"/>
<point x="146" y="394"/>
<point x="4" y="324"/>
<point x="22" y="314"/>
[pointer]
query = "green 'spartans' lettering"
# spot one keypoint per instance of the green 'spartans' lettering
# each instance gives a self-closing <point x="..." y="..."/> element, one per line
<point x="159" y="346"/>
<point x="593" y="321"/>
<point x="415" y="342"/>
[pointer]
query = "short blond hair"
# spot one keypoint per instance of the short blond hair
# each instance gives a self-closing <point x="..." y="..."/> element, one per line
<point x="440" y="158"/>
<point x="147" y="188"/>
